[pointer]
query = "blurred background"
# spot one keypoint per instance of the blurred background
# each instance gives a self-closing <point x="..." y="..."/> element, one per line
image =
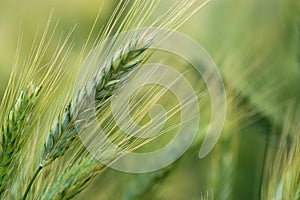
<point x="255" y="44"/>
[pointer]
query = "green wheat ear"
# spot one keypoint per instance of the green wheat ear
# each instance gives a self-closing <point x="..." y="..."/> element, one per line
<point x="13" y="133"/>
<point x="65" y="132"/>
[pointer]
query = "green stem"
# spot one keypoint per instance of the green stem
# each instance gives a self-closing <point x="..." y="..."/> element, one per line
<point x="31" y="181"/>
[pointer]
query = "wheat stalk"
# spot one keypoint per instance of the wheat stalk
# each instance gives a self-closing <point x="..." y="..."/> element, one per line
<point x="65" y="131"/>
<point x="13" y="133"/>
